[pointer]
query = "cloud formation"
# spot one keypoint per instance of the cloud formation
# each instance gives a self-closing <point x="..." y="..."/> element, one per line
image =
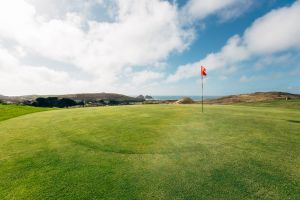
<point x="225" y="9"/>
<point x="105" y="42"/>
<point x="143" y="33"/>
<point x="277" y="31"/>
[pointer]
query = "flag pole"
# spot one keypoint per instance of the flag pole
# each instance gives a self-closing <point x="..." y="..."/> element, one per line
<point x="202" y="91"/>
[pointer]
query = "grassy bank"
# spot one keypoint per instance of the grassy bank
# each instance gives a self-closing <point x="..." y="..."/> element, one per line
<point x="152" y="152"/>
<point x="11" y="111"/>
<point x="293" y="104"/>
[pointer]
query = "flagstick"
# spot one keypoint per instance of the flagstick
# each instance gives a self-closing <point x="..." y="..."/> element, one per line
<point x="202" y="92"/>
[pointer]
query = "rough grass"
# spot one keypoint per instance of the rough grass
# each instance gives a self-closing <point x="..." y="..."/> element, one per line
<point x="152" y="152"/>
<point x="291" y="103"/>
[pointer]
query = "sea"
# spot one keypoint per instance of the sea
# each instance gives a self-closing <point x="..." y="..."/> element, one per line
<point x="195" y="98"/>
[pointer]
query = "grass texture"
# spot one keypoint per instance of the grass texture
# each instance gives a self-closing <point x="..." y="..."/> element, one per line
<point x="11" y="111"/>
<point x="151" y="152"/>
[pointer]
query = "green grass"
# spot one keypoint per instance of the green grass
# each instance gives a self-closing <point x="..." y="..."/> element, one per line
<point x="292" y="104"/>
<point x="11" y="111"/>
<point x="152" y="152"/>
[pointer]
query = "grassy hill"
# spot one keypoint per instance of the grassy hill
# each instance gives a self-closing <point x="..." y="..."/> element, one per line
<point x="152" y="152"/>
<point x="254" y="97"/>
<point x="81" y="97"/>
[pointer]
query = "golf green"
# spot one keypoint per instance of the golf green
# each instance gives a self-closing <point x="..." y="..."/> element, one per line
<point x="152" y="152"/>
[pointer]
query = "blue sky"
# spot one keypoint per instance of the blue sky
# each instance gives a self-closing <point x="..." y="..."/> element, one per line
<point x="149" y="46"/>
<point x="269" y="77"/>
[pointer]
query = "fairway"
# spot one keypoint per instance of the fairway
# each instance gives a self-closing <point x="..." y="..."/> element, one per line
<point x="152" y="152"/>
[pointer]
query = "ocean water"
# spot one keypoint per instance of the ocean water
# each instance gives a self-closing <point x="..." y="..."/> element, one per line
<point x="195" y="98"/>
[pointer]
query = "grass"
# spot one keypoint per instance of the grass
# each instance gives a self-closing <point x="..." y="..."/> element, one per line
<point x="152" y="152"/>
<point x="11" y="111"/>
<point x="292" y="104"/>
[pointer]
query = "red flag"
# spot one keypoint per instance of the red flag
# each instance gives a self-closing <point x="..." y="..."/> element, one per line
<point x="203" y="71"/>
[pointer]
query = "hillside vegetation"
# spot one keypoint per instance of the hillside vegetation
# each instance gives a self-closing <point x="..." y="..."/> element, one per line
<point x="152" y="152"/>
<point x="291" y="104"/>
<point x="93" y="97"/>
<point x="255" y="97"/>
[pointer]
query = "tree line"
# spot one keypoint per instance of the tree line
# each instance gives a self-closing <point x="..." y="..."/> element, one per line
<point x="56" y="102"/>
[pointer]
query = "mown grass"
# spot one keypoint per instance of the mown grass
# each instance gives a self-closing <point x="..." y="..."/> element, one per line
<point x="11" y="111"/>
<point x="152" y="152"/>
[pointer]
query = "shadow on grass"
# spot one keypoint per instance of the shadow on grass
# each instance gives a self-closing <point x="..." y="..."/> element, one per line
<point x="135" y="151"/>
<point x="294" y="121"/>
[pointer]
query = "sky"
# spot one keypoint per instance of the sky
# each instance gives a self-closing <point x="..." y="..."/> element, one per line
<point x="153" y="47"/>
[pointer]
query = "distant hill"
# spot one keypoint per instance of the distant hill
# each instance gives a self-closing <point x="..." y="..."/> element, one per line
<point x="80" y="97"/>
<point x="253" y="97"/>
<point x="3" y="98"/>
<point x="95" y="97"/>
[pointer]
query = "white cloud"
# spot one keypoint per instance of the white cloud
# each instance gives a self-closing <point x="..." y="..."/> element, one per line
<point x="274" y="60"/>
<point x="295" y="71"/>
<point x="230" y="54"/>
<point x="247" y="79"/>
<point x="275" y="32"/>
<point x="56" y="9"/>
<point x="142" y="33"/>
<point x="146" y="76"/>
<point x="225" y="9"/>
<point x="134" y="36"/>
<point x="15" y="77"/>
<point x="145" y="33"/>
<point x="267" y="76"/>
<point x="6" y="59"/>
<point x="19" y="79"/>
